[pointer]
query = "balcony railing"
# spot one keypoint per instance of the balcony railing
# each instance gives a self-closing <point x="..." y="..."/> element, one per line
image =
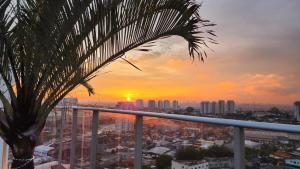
<point x="238" y="132"/>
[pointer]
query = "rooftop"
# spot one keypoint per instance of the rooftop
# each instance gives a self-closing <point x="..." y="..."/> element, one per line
<point x="191" y="163"/>
<point x="159" y="150"/>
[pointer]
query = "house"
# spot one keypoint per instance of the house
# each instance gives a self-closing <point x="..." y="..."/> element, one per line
<point x="203" y="164"/>
<point x="156" y="152"/>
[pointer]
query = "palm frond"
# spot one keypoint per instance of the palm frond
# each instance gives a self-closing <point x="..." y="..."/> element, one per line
<point x="51" y="47"/>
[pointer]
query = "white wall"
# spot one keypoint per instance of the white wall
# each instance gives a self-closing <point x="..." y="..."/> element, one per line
<point x="182" y="165"/>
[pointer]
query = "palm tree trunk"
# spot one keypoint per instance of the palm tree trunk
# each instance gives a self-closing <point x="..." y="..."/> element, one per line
<point x="23" y="150"/>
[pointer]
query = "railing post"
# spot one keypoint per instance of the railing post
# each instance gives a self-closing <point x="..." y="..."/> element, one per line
<point x="94" y="141"/>
<point x="73" y="139"/>
<point x="61" y="135"/>
<point x="138" y="142"/>
<point x="3" y="154"/>
<point x="239" y="148"/>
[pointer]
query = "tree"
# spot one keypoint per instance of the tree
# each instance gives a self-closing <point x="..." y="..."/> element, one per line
<point x="251" y="153"/>
<point x="189" y="153"/>
<point x="266" y="149"/>
<point x="48" y="48"/>
<point x="163" y="162"/>
<point x="252" y="167"/>
<point x="219" y="151"/>
<point x="192" y="153"/>
<point x="274" y="110"/>
<point x="146" y="167"/>
<point x="189" y="110"/>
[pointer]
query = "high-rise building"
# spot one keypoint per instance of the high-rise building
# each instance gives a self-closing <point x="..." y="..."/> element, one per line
<point x="167" y="105"/>
<point x="221" y="107"/>
<point x="139" y="104"/>
<point x="125" y="105"/>
<point x="205" y="107"/>
<point x="151" y="105"/>
<point x="160" y="105"/>
<point x="213" y="107"/>
<point x="175" y="105"/>
<point x="297" y="110"/>
<point x="230" y="106"/>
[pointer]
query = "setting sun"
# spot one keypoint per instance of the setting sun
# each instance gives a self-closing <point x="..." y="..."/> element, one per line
<point x="128" y="99"/>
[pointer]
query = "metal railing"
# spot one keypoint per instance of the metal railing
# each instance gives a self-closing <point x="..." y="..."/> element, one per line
<point x="238" y="133"/>
<point x="238" y="136"/>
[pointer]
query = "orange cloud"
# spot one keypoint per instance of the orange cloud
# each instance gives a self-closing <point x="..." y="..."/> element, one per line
<point x="262" y="84"/>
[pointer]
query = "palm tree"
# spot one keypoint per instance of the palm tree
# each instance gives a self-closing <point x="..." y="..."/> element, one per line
<point x="49" y="47"/>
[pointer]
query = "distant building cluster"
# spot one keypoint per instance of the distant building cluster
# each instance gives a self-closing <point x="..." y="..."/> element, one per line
<point x="125" y="105"/>
<point x="151" y="105"/>
<point x="162" y="105"/>
<point x="206" y="107"/>
<point x="220" y="107"/>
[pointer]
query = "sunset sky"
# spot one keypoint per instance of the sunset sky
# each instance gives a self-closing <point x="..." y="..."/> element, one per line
<point x="257" y="60"/>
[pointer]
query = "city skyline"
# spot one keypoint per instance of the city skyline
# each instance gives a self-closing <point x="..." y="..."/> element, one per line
<point x="252" y="64"/>
<point x="206" y="107"/>
<point x="186" y="103"/>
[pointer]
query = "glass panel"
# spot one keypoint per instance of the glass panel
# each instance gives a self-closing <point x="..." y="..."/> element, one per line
<point x="115" y="141"/>
<point x="53" y="148"/>
<point x="177" y="144"/>
<point x="165" y="143"/>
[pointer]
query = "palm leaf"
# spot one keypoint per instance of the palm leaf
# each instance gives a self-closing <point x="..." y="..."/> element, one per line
<point x="48" y="48"/>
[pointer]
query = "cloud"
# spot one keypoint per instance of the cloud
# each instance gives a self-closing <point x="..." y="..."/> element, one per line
<point x="262" y="84"/>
